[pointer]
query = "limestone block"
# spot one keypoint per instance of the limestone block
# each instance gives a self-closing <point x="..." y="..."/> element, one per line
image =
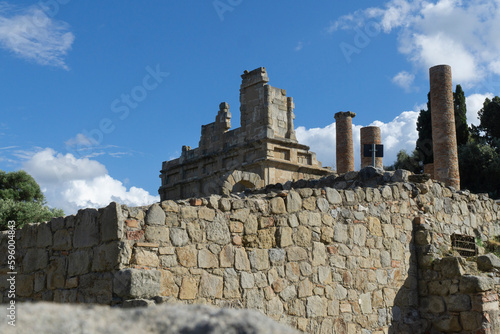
<point x="226" y="256"/>
<point x="302" y="236"/>
<point x="106" y="257"/>
<point x="86" y="232"/>
<point x="450" y="267"/>
<point x="169" y="206"/>
<point x="315" y="307"/>
<point x="247" y="280"/>
<point x="274" y="308"/>
<point x="187" y="256"/>
<point x="206" y="259"/>
<point x="266" y="238"/>
<point x="277" y="256"/>
<point x="137" y="283"/>
<point x="473" y="284"/>
<point x="327" y="234"/>
<point x="251" y="225"/>
<point x="319" y="255"/>
<point x="35" y="259"/>
<point x="471" y="321"/>
<point x="189" y="212"/>
<point x="296" y="253"/>
<point x="309" y="203"/>
<point x="111" y="222"/>
<point x="24" y="285"/>
<point x="254" y="299"/>
<point x="189" y="288"/>
<point x="56" y="273"/>
<point x="168" y="261"/>
<point x="259" y="259"/>
<point x="293" y="202"/>
<point x="458" y="303"/>
<point x="365" y="302"/>
<point x="167" y="284"/>
<point x="447" y="324"/>
<point x="284" y="237"/>
<point x="432" y="304"/>
<point x="340" y="233"/>
<point x="305" y="288"/>
<point x="277" y="206"/>
<point x="333" y="196"/>
<point x="358" y="234"/>
<point x="211" y="286"/>
<point x="218" y="231"/>
<point x="241" y="261"/>
<point x="224" y="204"/>
<point x="43" y="236"/>
<point x="155" y="215"/>
<point x="231" y="284"/>
<point x="178" y="236"/>
<point x="323" y="204"/>
<point x="155" y="233"/>
<point x="488" y="262"/>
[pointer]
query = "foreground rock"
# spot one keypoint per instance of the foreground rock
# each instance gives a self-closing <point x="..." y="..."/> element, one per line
<point x="166" y="319"/>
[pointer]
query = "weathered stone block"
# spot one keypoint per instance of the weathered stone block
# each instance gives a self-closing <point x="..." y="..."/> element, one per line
<point x="155" y="215"/>
<point x="277" y="256"/>
<point x="488" y="262"/>
<point x="178" y="236"/>
<point x="473" y="284"/>
<point x="189" y="212"/>
<point x="206" y="259"/>
<point x="433" y="304"/>
<point x="333" y="196"/>
<point x="168" y="286"/>
<point x="316" y="307"/>
<point x="259" y="259"/>
<point x="296" y="254"/>
<point x="277" y="206"/>
<point x="158" y="234"/>
<point x="458" y="303"/>
<point x="284" y="237"/>
<point x="319" y="255"/>
<point x="187" y="256"/>
<point x="218" y="231"/>
<point x="56" y="273"/>
<point x="35" y="259"/>
<point x="241" y="261"/>
<point x="211" y="286"/>
<point x="365" y="302"/>
<point x="145" y="257"/>
<point x="231" y="284"/>
<point x="106" y="257"/>
<point x="111" y="222"/>
<point x="86" y="232"/>
<point x="247" y="280"/>
<point x="189" y="288"/>
<point x="136" y="283"/>
<point x="62" y="240"/>
<point x="293" y="202"/>
<point x="43" y="236"/>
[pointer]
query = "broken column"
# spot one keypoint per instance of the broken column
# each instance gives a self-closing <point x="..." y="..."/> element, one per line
<point x="345" y="150"/>
<point x="370" y="135"/>
<point x="443" y="126"/>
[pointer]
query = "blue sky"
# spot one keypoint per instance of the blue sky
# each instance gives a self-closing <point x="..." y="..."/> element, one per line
<point x="95" y="95"/>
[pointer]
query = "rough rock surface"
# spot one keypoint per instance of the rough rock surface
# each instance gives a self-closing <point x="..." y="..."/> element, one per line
<point x="166" y="319"/>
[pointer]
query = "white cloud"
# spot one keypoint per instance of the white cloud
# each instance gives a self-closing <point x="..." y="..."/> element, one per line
<point x="299" y="46"/>
<point x="474" y="104"/>
<point x="398" y="134"/>
<point x="404" y="80"/>
<point x="71" y="184"/>
<point x="463" y="34"/>
<point x="32" y="35"/>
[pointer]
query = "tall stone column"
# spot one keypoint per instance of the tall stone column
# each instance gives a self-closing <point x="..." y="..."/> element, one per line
<point x="370" y="135"/>
<point x="444" y="136"/>
<point x="345" y="150"/>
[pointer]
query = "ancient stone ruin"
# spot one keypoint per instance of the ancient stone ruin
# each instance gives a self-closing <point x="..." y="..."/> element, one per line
<point x="263" y="151"/>
<point x="365" y="251"/>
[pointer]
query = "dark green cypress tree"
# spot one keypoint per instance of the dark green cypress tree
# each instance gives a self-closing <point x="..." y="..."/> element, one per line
<point x="460" y="107"/>
<point x="424" y="128"/>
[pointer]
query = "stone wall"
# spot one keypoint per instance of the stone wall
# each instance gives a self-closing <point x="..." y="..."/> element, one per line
<point x="335" y="255"/>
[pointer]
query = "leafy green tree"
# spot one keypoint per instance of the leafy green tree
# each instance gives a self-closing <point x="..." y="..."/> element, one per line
<point x="489" y="117"/>
<point x="479" y="165"/>
<point x="22" y="200"/>
<point x="405" y="161"/>
<point x="460" y="107"/>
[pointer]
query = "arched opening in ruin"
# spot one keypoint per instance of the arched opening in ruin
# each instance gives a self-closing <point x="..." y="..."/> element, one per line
<point x="242" y="186"/>
<point x="237" y="181"/>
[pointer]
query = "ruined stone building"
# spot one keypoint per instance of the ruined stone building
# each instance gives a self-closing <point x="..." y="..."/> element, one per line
<point x="264" y="150"/>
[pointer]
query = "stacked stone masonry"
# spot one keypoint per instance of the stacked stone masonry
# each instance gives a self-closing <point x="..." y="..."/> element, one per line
<point x="336" y="255"/>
